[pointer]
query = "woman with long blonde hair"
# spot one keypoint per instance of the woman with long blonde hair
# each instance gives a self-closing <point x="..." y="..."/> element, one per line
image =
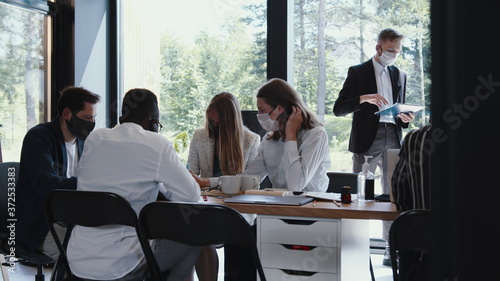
<point x="222" y="147"/>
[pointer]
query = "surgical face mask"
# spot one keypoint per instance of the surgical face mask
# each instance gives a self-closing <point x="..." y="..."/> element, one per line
<point x="387" y="58"/>
<point x="214" y="129"/>
<point x="79" y="128"/>
<point x="267" y="123"/>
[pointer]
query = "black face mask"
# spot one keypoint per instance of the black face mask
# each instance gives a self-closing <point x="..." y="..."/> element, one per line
<point x="214" y="129"/>
<point x="80" y="128"/>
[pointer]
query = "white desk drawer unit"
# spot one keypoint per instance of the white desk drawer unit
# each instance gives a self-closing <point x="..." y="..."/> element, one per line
<point x="311" y="249"/>
<point x="281" y="275"/>
<point x="301" y="231"/>
<point x="298" y="257"/>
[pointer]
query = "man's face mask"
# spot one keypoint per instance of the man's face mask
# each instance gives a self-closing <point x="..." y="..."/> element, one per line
<point x="79" y="128"/>
<point x="387" y="58"/>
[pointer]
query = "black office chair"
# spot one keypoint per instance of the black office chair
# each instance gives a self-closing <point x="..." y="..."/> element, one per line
<point x="409" y="241"/>
<point x="84" y="208"/>
<point x="9" y="172"/>
<point x="197" y="225"/>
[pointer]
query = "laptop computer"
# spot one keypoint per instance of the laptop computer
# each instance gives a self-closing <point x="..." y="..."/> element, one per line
<point x="269" y="199"/>
<point x="338" y="180"/>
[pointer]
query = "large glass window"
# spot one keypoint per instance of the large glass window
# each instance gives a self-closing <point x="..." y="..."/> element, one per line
<point x="22" y="76"/>
<point x="188" y="51"/>
<point x="332" y="35"/>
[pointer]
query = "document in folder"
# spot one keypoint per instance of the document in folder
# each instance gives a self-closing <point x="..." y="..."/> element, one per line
<point x="397" y="108"/>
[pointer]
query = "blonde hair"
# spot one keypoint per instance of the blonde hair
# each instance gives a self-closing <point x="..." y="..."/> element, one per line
<point x="278" y="92"/>
<point x="230" y="144"/>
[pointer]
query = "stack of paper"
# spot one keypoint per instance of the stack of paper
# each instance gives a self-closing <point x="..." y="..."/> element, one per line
<point x="270" y="191"/>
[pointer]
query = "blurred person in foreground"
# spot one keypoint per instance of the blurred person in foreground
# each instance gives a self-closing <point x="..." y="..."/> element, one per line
<point x="411" y="186"/>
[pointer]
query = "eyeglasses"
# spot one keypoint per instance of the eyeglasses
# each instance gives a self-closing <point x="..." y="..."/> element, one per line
<point x="160" y="126"/>
<point x="390" y="50"/>
<point x="260" y="111"/>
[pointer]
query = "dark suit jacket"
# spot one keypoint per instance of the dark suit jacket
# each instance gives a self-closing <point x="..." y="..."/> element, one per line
<point x="361" y="81"/>
<point x="42" y="170"/>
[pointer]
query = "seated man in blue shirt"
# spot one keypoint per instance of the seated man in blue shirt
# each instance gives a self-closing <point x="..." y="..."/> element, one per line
<point x="49" y="161"/>
<point x="135" y="162"/>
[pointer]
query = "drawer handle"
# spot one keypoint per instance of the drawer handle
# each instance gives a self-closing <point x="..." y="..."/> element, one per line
<point x="298" y="247"/>
<point x="298" y="272"/>
<point x="298" y="222"/>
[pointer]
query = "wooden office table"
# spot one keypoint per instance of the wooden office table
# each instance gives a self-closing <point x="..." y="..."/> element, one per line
<point x="319" y="209"/>
<point x="345" y="227"/>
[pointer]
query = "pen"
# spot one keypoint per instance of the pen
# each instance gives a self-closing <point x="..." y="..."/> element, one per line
<point x="338" y="205"/>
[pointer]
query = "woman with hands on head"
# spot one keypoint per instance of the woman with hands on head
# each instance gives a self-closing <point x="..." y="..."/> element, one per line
<point x="294" y="154"/>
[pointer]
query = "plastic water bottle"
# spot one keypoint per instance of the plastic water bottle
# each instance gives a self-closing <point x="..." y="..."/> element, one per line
<point x="366" y="182"/>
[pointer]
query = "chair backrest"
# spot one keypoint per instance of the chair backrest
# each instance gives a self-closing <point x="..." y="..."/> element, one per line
<point x="89" y="208"/>
<point x="9" y="172"/>
<point x="86" y="208"/>
<point x="337" y="180"/>
<point x="409" y="232"/>
<point x="197" y="225"/>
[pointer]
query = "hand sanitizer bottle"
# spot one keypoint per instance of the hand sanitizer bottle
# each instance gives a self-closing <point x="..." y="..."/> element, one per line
<point x="366" y="182"/>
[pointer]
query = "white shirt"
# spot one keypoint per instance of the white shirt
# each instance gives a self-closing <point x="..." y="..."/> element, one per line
<point x="384" y="88"/>
<point x="296" y="165"/>
<point x="133" y="163"/>
<point x="72" y="155"/>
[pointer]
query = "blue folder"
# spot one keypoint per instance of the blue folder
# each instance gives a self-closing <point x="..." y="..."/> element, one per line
<point x="397" y="108"/>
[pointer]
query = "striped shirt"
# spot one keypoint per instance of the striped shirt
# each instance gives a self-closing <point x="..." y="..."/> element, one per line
<point x="412" y="176"/>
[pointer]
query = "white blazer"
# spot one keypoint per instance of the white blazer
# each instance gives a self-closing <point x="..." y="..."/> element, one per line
<point x="202" y="148"/>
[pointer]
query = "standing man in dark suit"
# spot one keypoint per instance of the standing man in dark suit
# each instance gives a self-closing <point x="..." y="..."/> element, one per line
<point x="49" y="161"/>
<point x="368" y="88"/>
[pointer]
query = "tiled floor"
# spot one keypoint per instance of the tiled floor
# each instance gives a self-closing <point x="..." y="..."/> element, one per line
<point x="27" y="273"/>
